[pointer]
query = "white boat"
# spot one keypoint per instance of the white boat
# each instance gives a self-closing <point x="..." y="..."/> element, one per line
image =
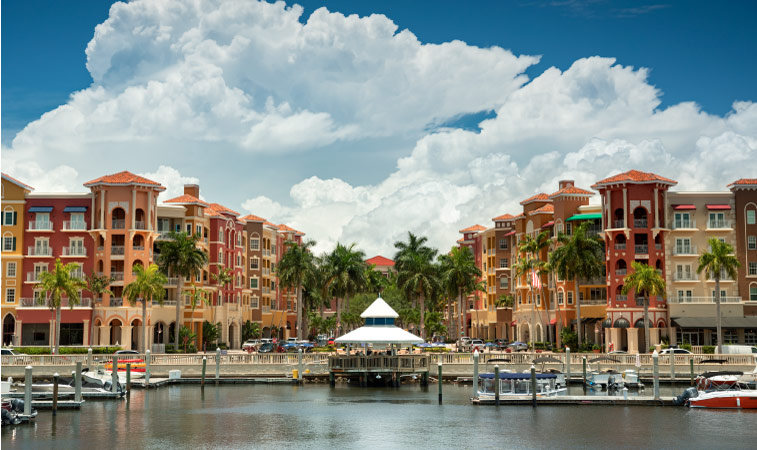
<point x="515" y="385"/>
<point x="728" y="399"/>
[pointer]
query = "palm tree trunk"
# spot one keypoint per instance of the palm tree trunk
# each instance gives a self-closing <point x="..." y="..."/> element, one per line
<point x="423" y="316"/>
<point x="461" y="317"/>
<point x="577" y="298"/>
<point x="176" y="327"/>
<point x="299" y="313"/>
<point x="646" y="322"/>
<point x="57" y="330"/>
<point x="549" y="320"/>
<point x="558" y="327"/>
<point x="92" y="322"/>
<point x="717" y="312"/>
<point x="144" y="324"/>
<point x="532" y="328"/>
<point x="338" y="314"/>
<point x="449" y="316"/>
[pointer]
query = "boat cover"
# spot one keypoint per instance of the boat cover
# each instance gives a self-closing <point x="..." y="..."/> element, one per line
<point x="519" y="376"/>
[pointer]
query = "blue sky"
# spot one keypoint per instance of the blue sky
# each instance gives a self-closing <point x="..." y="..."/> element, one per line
<point x="359" y="128"/>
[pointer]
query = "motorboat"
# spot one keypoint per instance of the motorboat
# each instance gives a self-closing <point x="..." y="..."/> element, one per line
<point x="729" y="399"/>
<point x="13" y="412"/>
<point x="516" y="384"/>
<point x="137" y="365"/>
<point x="718" y="380"/>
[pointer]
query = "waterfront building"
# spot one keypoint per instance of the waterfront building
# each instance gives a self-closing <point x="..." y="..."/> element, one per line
<point x="472" y="241"/>
<point x="504" y="238"/>
<point x="381" y="264"/>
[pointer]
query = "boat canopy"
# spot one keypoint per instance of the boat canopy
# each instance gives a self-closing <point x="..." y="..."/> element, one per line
<point x="519" y="376"/>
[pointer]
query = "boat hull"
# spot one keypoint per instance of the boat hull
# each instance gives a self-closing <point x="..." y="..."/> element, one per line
<point x="725" y="400"/>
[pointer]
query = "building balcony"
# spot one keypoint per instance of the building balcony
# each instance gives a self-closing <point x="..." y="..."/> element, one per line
<point x="74" y="251"/>
<point x="118" y="224"/>
<point x="69" y="225"/>
<point x="29" y="302"/>
<point x="684" y="225"/>
<point x="640" y="223"/>
<point x="163" y="235"/>
<point x="641" y="249"/>
<point x="685" y="277"/>
<point x="138" y="248"/>
<point x="719" y="224"/>
<point x="621" y="272"/>
<point x="621" y="298"/>
<point x="703" y="300"/>
<point x="116" y="301"/>
<point x="658" y="247"/>
<point x="618" y="224"/>
<point x="594" y="301"/>
<point x="40" y="226"/>
<point x="39" y="251"/>
<point x="116" y="250"/>
<point x="619" y="246"/>
<point x="117" y="276"/>
<point x="688" y="250"/>
<point x="140" y="225"/>
<point x="171" y="282"/>
<point x="32" y="277"/>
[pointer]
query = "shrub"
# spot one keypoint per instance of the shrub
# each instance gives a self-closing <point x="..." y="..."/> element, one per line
<point x="686" y="346"/>
<point x="708" y="349"/>
<point x="569" y="338"/>
<point x="33" y="350"/>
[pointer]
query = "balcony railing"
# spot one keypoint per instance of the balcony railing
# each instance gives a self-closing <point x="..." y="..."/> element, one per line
<point x="162" y="234"/>
<point x="116" y="301"/>
<point x="642" y="249"/>
<point x="172" y="281"/>
<point x="39" y="251"/>
<point x="74" y="225"/>
<point x="617" y="224"/>
<point x="40" y="226"/>
<point x="621" y="298"/>
<point x="621" y="272"/>
<point x="619" y="246"/>
<point x="709" y="300"/>
<point x="719" y="223"/>
<point x="685" y="250"/>
<point x="138" y="247"/>
<point x="639" y="301"/>
<point x="139" y="225"/>
<point x="116" y="249"/>
<point x="117" y="276"/>
<point x="32" y="277"/>
<point x="118" y="224"/>
<point x="74" y="251"/>
<point x="685" y="277"/>
<point x="639" y="223"/>
<point x="658" y="247"/>
<point x="684" y="224"/>
<point x="594" y="301"/>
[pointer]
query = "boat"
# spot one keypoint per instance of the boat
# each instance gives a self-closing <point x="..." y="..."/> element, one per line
<point x="718" y="380"/>
<point x="727" y="399"/>
<point x="137" y="365"/>
<point x="13" y="412"/>
<point x="516" y="384"/>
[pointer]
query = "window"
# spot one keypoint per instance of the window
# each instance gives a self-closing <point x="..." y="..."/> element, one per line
<point x="503" y="244"/>
<point x="253" y="283"/>
<point x="239" y="260"/>
<point x="197" y="277"/>
<point x="750" y="216"/>
<point x="220" y="235"/>
<point x="722" y="294"/>
<point x="273" y="285"/>
<point x="220" y="256"/>
<point x="717" y="220"/>
<point x="10" y="295"/>
<point x="76" y="246"/>
<point x="77" y="272"/>
<point x="538" y="299"/>
<point x="752" y="268"/>
<point x="503" y="283"/>
<point x="684" y="295"/>
<point x="682" y="220"/>
<point x="753" y="293"/>
<point x="751" y="242"/>
<point x="77" y="221"/>
<point x="9" y="217"/>
<point x="254" y="303"/>
<point x="568" y="228"/>
<point x="273" y="267"/>
<point x="570" y="298"/>
<point x="683" y="272"/>
<point x="198" y="229"/>
<point x="189" y="229"/>
<point x="503" y="263"/>
<point x="177" y="228"/>
<point x="683" y="246"/>
<point x="254" y="264"/>
<point x="560" y="297"/>
<point x="10" y="270"/>
<point x="9" y="243"/>
<point x="255" y="244"/>
<point x="273" y="249"/>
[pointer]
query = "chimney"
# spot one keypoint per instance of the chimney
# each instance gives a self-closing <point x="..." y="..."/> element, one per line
<point x="563" y="183"/>
<point x="192" y="189"/>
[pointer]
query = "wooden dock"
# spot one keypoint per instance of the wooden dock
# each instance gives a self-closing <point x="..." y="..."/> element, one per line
<point x="527" y="400"/>
<point x="158" y="382"/>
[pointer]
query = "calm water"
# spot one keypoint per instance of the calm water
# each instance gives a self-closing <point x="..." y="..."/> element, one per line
<point x="315" y="416"/>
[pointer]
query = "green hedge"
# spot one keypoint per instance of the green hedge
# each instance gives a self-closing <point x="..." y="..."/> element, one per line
<point x="67" y="350"/>
<point x="708" y="349"/>
<point x="171" y="349"/>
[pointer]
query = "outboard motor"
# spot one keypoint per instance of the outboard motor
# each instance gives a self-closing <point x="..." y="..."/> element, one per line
<point x="9" y="418"/>
<point x="682" y="399"/>
<point x="17" y="405"/>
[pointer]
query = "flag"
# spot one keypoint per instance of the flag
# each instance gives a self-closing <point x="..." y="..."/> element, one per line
<point x="535" y="280"/>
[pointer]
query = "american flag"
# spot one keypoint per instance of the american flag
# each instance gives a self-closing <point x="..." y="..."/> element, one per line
<point x="535" y="280"/>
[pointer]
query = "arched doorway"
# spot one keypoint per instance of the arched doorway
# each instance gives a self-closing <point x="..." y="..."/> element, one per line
<point x="118" y="219"/>
<point x="115" y="332"/>
<point x="623" y="324"/>
<point x="231" y="335"/>
<point x="95" y="339"/>
<point x="158" y="333"/>
<point x="642" y="336"/>
<point x="136" y="334"/>
<point x="171" y="332"/>
<point x="539" y="333"/>
<point x="9" y="330"/>
<point x="525" y="332"/>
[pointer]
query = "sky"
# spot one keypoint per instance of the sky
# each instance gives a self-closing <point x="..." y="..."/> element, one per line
<point x="365" y="120"/>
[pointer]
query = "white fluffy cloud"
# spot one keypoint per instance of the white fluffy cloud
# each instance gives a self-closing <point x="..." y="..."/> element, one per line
<point x="224" y="84"/>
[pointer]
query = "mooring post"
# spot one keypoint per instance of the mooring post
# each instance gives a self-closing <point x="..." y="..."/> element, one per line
<point x="533" y="385"/>
<point x="114" y="375"/>
<point x="656" y="374"/>
<point x="299" y="366"/>
<point x="567" y="366"/>
<point x="496" y="385"/>
<point x="55" y="393"/>
<point x="332" y="381"/>
<point x="672" y="367"/>
<point x="77" y="382"/>
<point x="128" y="381"/>
<point x="475" y="373"/>
<point x="89" y="358"/>
<point x="439" y="380"/>
<point x="147" y="368"/>
<point x="204" y="366"/>
<point x="28" y="391"/>
<point x="218" y="364"/>
<point x="691" y="370"/>
<point x="584" y="372"/>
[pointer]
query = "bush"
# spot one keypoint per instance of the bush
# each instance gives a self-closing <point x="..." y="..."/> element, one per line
<point x="569" y="338"/>
<point x="173" y="350"/>
<point x="708" y="349"/>
<point x="67" y="350"/>
<point x="685" y="346"/>
<point x="33" y="350"/>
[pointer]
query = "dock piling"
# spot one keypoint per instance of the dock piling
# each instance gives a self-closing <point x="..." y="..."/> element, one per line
<point x="672" y="367"/>
<point x="567" y="366"/>
<point x="147" y="368"/>
<point x="496" y="385"/>
<point x="332" y="381"/>
<point x="218" y="364"/>
<point x="114" y="375"/>
<point x="475" y="373"/>
<point x="584" y="373"/>
<point x="439" y="382"/>
<point x="691" y="370"/>
<point x="77" y="382"/>
<point x="204" y="366"/>
<point x="55" y="393"/>
<point x="299" y="366"/>
<point x="28" y="391"/>
<point x="128" y="381"/>
<point x="656" y="374"/>
<point x="89" y="358"/>
<point x="533" y="385"/>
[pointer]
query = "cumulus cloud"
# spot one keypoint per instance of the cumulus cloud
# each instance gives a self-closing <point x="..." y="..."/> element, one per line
<point x="172" y="180"/>
<point x="224" y="85"/>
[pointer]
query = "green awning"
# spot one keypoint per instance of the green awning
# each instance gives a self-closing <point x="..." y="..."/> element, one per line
<point x="590" y="216"/>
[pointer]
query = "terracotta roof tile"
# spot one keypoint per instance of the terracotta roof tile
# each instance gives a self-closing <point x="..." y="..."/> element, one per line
<point x="520" y="216"/>
<point x="634" y="176"/>
<point x="476" y="227"/>
<point x="222" y="209"/>
<point x="187" y="200"/>
<point x="283" y="227"/>
<point x="540" y="197"/>
<point x="548" y="208"/>
<point x="744" y="182"/>
<point x="253" y="218"/>
<point x="124" y="177"/>
<point x="504" y="217"/>
<point x="379" y="260"/>
<point x="16" y="182"/>
<point x="571" y="190"/>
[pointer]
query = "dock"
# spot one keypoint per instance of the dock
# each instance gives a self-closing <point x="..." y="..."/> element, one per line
<point x="579" y="400"/>
<point x="159" y="382"/>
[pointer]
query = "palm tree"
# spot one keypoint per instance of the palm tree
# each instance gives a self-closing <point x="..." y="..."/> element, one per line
<point x="414" y="245"/>
<point x="375" y="280"/>
<point x="417" y="274"/>
<point x="647" y="281"/>
<point x="293" y="270"/>
<point x="97" y="285"/>
<point x="181" y="256"/>
<point x="196" y="298"/>
<point x="458" y="275"/>
<point x="528" y="265"/>
<point x="346" y="266"/>
<point x="56" y="284"/>
<point x="718" y="261"/>
<point x="147" y="285"/>
<point x="578" y="256"/>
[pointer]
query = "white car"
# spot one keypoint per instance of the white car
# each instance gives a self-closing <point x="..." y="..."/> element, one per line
<point x="677" y="351"/>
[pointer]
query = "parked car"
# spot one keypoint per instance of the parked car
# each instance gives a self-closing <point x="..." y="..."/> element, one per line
<point x="266" y="348"/>
<point x="463" y="344"/>
<point x="501" y="343"/>
<point x="250" y="345"/>
<point x="331" y="341"/>
<point x="739" y="349"/>
<point x="126" y="352"/>
<point x="476" y="344"/>
<point x="618" y="352"/>
<point x="518" y="347"/>
<point x="675" y="350"/>
<point x="10" y="352"/>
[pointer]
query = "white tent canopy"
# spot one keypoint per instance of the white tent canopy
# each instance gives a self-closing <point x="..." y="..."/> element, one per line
<point x="379" y="334"/>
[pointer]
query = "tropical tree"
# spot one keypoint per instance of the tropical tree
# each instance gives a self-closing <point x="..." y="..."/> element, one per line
<point x="719" y="261"/>
<point x="346" y="270"/>
<point x="417" y="275"/>
<point x="293" y="270"/>
<point x="530" y="265"/>
<point x="186" y="335"/>
<point x="196" y="298"/>
<point x="408" y="316"/>
<point x="97" y="285"/>
<point x="250" y="330"/>
<point x="578" y="256"/>
<point x="180" y="256"/>
<point x="459" y="275"/>
<point x="644" y="280"/>
<point x="375" y="281"/>
<point x="434" y="324"/>
<point x="57" y="284"/>
<point x="210" y="333"/>
<point x="147" y="285"/>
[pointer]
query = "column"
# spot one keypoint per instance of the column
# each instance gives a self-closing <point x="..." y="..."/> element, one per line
<point x="92" y="214"/>
<point x="17" y="333"/>
<point x="126" y="337"/>
<point x="51" y="335"/>
<point x="615" y="333"/>
<point x="105" y="335"/>
<point x="654" y="336"/>
<point x="150" y="337"/>
<point x="673" y="338"/>
<point x="608" y="339"/>
<point x="102" y="208"/>
<point x="133" y="208"/>
<point x="85" y="339"/>
<point x="149" y="210"/>
<point x="633" y="340"/>
<point x="656" y="210"/>
<point x="625" y="208"/>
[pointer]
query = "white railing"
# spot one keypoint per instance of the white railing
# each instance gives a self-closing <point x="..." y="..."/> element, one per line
<point x="715" y="224"/>
<point x="29" y="302"/>
<point x="621" y="272"/>
<point x="171" y="281"/>
<point x="685" y="250"/>
<point x="594" y="301"/>
<point x="74" y="251"/>
<point x="641" y="249"/>
<point x="639" y="223"/>
<point x="710" y="300"/>
<point x="619" y="246"/>
<point x="617" y="224"/>
<point x="138" y="248"/>
<point x="32" y="277"/>
<point x="162" y="234"/>
<point x="139" y="225"/>
<point x="39" y="251"/>
<point x="118" y="224"/>
<point x="75" y="225"/>
<point x="117" y="276"/>
<point x="683" y="224"/>
<point x="621" y="298"/>
<point x="40" y="226"/>
<point x="116" y="249"/>
<point x="116" y="301"/>
<point x="684" y="277"/>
